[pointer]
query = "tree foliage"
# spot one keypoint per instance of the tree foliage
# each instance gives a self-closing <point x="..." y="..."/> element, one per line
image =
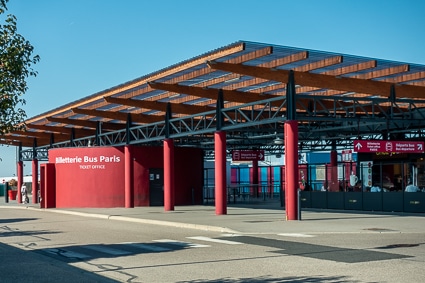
<point x="16" y="65"/>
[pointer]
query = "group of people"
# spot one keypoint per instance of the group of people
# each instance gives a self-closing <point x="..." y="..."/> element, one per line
<point x="374" y="189"/>
<point x="410" y="188"/>
<point x="24" y="194"/>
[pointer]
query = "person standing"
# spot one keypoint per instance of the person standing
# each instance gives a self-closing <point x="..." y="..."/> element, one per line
<point x="24" y="194"/>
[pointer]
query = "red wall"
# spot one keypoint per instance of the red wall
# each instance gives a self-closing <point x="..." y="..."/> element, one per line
<point x="145" y="158"/>
<point x="89" y="176"/>
<point x="189" y="174"/>
<point x="94" y="176"/>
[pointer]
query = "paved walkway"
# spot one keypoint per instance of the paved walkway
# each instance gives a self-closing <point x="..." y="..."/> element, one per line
<point x="255" y="218"/>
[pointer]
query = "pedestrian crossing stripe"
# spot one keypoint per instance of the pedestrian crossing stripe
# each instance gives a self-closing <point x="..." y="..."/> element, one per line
<point x="147" y="247"/>
<point x="160" y="245"/>
<point x="207" y="239"/>
<point x="296" y="235"/>
<point x="106" y="250"/>
<point x="181" y="243"/>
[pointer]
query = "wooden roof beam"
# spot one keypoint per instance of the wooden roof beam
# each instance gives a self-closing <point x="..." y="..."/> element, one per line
<point x="161" y="106"/>
<point x="339" y="71"/>
<point x="285" y="60"/>
<point x="39" y="135"/>
<point x="352" y="68"/>
<point x="87" y="124"/>
<point x="383" y="72"/>
<point x="407" y="77"/>
<point x="229" y="95"/>
<point x="65" y="130"/>
<point x="319" y="64"/>
<point x="203" y="71"/>
<point x="25" y="141"/>
<point x="309" y="67"/>
<point x="274" y="63"/>
<point x="237" y="60"/>
<point x="324" y="81"/>
<point x="135" y="117"/>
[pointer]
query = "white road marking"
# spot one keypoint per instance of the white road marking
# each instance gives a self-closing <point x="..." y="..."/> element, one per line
<point x="201" y="238"/>
<point x="148" y="247"/>
<point x="107" y="250"/>
<point x="181" y="243"/>
<point x="296" y="235"/>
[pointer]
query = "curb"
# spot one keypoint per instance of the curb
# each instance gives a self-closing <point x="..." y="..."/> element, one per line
<point x="134" y="220"/>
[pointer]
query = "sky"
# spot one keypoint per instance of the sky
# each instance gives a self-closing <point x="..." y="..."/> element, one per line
<point x="87" y="46"/>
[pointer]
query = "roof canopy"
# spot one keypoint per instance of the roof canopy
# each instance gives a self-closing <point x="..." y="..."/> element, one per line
<point x="338" y="98"/>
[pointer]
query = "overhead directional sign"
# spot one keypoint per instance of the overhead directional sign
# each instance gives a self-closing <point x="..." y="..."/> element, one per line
<point x="388" y="146"/>
<point x="248" y="155"/>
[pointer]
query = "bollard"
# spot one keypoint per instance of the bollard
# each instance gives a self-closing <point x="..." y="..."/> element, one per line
<point x="6" y="192"/>
<point x="299" y="204"/>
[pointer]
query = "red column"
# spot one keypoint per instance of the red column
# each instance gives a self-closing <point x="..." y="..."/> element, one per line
<point x="34" y="180"/>
<point x="291" y="169"/>
<point x="128" y="176"/>
<point x="49" y="186"/>
<point x="255" y="177"/>
<point x="220" y="172"/>
<point x="168" y="174"/>
<point x="270" y="181"/>
<point x="43" y="185"/>
<point x="20" y="174"/>
<point x="334" y="186"/>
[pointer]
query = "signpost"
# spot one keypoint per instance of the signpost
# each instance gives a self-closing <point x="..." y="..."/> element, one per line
<point x="374" y="146"/>
<point x="248" y="155"/>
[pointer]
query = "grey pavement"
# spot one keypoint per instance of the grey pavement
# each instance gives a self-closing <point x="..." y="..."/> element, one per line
<point x="254" y="218"/>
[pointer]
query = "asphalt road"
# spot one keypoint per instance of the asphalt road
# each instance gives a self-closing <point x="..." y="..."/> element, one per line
<point x="39" y="246"/>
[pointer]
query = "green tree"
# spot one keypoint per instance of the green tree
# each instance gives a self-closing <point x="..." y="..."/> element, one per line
<point x="16" y="61"/>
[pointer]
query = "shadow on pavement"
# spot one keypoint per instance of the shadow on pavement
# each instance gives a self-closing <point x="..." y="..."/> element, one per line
<point x="4" y="221"/>
<point x="27" y="266"/>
